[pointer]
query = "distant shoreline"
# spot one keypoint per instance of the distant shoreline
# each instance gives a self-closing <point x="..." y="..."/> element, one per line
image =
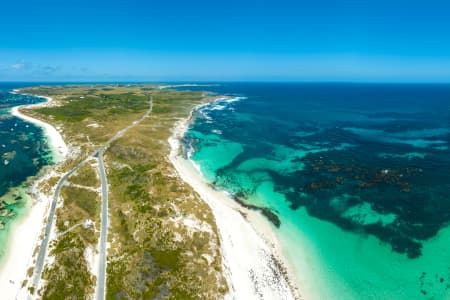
<point x="248" y="242"/>
<point x="25" y="231"/>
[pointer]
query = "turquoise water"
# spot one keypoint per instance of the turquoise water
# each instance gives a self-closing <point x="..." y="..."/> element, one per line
<point x="357" y="175"/>
<point x="23" y="152"/>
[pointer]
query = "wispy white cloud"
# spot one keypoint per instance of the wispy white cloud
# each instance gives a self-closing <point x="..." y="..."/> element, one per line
<point x="29" y="70"/>
<point x="20" y="65"/>
<point x="17" y="66"/>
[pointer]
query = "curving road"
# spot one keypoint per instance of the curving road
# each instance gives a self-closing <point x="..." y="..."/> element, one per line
<point x="100" y="290"/>
<point x="101" y="276"/>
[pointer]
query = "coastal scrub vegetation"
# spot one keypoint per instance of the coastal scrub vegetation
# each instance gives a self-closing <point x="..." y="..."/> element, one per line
<point x="69" y="274"/>
<point x="162" y="236"/>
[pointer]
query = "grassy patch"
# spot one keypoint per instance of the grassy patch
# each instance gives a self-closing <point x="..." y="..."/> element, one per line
<point x="69" y="278"/>
<point x="153" y="253"/>
<point x="82" y="198"/>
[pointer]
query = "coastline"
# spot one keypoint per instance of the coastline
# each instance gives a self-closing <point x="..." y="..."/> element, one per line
<point x="252" y="260"/>
<point x="252" y="256"/>
<point x="55" y="139"/>
<point x="26" y="229"/>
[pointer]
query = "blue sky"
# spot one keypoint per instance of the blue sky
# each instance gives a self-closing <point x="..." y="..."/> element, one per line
<point x="130" y="40"/>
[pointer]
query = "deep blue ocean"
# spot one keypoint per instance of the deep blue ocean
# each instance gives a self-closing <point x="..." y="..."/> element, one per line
<point x="357" y="176"/>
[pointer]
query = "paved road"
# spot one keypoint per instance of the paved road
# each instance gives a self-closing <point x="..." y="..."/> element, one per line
<point x="69" y="230"/>
<point x="101" y="275"/>
<point x="39" y="266"/>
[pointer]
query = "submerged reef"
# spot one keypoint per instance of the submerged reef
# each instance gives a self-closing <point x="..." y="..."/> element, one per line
<point x="394" y="200"/>
<point x="361" y="183"/>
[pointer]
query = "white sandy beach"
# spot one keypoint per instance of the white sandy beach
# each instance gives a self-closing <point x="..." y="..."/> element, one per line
<point x="26" y="230"/>
<point x="253" y="264"/>
<point x="55" y="139"/>
<point x="24" y="235"/>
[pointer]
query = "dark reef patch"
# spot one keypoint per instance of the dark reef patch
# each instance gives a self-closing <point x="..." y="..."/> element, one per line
<point x="266" y="212"/>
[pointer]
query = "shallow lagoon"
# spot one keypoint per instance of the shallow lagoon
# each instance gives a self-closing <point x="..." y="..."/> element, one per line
<point x="23" y="152"/>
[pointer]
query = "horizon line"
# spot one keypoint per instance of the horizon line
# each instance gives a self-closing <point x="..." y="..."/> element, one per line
<point x="227" y="81"/>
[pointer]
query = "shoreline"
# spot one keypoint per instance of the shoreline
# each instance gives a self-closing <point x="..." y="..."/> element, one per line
<point x="55" y="140"/>
<point x="25" y="231"/>
<point x="253" y="262"/>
